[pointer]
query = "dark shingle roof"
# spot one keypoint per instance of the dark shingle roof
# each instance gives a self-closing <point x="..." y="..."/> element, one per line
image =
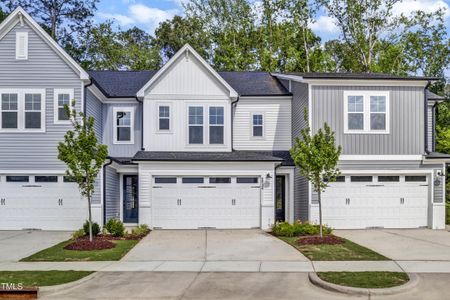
<point x="124" y="84"/>
<point x="276" y="156"/>
<point x="437" y="155"/>
<point x="348" y="75"/>
<point x="433" y="96"/>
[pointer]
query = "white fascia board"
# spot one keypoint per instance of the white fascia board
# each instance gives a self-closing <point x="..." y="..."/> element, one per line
<point x="28" y="172"/>
<point x="188" y="50"/>
<point x="366" y="82"/>
<point x="379" y="157"/>
<point x="406" y="171"/>
<point x="265" y="98"/>
<point x="20" y="15"/>
<point x="296" y="78"/>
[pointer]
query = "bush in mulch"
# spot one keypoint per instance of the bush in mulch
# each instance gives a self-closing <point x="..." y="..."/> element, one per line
<point x="83" y="244"/>
<point x="317" y="240"/>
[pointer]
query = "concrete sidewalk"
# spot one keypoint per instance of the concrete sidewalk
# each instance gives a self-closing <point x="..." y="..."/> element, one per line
<point x="235" y="266"/>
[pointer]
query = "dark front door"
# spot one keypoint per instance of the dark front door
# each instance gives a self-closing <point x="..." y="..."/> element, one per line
<point x="279" y="199"/>
<point x="130" y="199"/>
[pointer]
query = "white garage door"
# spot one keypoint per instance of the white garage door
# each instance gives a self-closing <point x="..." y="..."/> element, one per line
<point x="204" y="202"/>
<point x="41" y="203"/>
<point x="389" y="201"/>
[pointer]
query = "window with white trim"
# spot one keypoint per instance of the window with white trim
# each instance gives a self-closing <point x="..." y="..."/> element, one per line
<point x="22" y="45"/>
<point x="61" y="99"/>
<point x="257" y="125"/>
<point x="216" y="124"/>
<point x="195" y="124"/>
<point x="10" y="111"/>
<point x="164" y="117"/>
<point x="123" y="125"/>
<point x="22" y="110"/>
<point x="366" y="112"/>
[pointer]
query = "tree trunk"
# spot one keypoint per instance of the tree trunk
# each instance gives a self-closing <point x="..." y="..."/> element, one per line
<point x="320" y="214"/>
<point x="90" y="218"/>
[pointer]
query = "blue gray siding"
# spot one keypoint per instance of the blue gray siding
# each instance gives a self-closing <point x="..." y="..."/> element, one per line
<point x="108" y="119"/>
<point x="301" y="186"/>
<point x="406" y="120"/>
<point x="430" y="127"/>
<point x="112" y="190"/>
<point x="43" y="69"/>
<point x="94" y="109"/>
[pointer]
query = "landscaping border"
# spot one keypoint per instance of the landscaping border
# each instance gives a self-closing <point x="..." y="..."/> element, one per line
<point x="413" y="280"/>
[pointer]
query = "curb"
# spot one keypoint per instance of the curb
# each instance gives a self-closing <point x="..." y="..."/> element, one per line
<point x="413" y="280"/>
<point x="65" y="286"/>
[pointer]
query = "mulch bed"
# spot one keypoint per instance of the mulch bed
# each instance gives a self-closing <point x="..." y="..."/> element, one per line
<point x="83" y="244"/>
<point x="317" y="240"/>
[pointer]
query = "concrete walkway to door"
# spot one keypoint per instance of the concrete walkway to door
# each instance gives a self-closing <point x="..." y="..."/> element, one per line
<point x="212" y="245"/>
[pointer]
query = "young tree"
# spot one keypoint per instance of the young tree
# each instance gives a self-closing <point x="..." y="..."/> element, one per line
<point x="317" y="156"/>
<point x="83" y="155"/>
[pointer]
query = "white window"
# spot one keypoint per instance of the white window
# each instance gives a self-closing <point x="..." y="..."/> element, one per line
<point x="62" y="98"/>
<point x="216" y="124"/>
<point x="22" y="110"/>
<point x="257" y="125"/>
<point x="164" y="117"/>
<point x="195" y="124"/>
<point x="366" y="112"/>
<point x="123" y="125"/>
<point x="21" y="45"/>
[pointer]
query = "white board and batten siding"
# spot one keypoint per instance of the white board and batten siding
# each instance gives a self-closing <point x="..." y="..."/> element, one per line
<point x="148" y="170"/>
<point x="277" y="129"/>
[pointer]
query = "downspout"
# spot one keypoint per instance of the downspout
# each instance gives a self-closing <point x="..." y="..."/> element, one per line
<point x="141" y="104"/>
<point x="104" y="190"/>
<point x="233" y="104"/>
<point x="427" y="151"/>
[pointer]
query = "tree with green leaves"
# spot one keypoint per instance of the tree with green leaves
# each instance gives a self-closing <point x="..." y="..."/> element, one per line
<point x="3" y="15"/>
<point x="316" y="157"/>
<point x="173" y="34"/>
<point x="83" y="155"/>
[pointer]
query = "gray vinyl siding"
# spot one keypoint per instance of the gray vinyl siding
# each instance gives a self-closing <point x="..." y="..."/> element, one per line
<point x="112" y="190"/>
<point x="406" y="120"/>
<point x="430" y="128"/>
<point x="94" y="109"/>
<point x="43" y="69"/>
<point x="97" y="195"/>
<point x="301" y="186"/>
<point x="121" y="150"/>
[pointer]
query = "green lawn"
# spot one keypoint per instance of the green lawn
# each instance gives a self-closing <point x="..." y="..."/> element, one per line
<point x="58" y="253"/>
<point x="41" y="278"/>
<point x="365" y="279"/>
<point x="346" y="251"/>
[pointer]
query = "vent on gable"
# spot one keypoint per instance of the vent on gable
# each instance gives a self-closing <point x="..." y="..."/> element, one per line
<point x="21" y="45"/>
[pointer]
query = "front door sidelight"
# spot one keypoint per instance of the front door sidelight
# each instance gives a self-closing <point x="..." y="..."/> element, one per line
<point x="280" y="199"/>
<point x="130" y="199"/>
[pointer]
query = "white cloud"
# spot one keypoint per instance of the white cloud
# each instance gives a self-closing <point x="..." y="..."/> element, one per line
<point x="406" y="7"/>
<point x="122" y="19"/>
<point x="324" y="24"/>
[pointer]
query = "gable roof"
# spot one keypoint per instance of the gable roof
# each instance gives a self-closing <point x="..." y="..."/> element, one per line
<point x="433" y="97"/>
<point x="20" y="15"/>
<point x="187" y="50"/>
<point x="126" y="84"/>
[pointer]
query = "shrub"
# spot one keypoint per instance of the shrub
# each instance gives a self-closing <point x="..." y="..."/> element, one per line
<point x="141" y="230"/>
<point x="78" y="234"/>
<point x="95" y="228"/>
<point x="298" y="228"/>
<point x="115" y="227"/>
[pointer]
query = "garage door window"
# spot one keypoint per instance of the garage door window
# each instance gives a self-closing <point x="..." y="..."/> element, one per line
<point x="219" y="180"/>
<point x="388" y="178"/>
<point x="247" y="180"/>
<point x="165" y="180"/>
<point x="361" y="178"/>
<point x="17" y="178"/>
<point x="45" y="178"/>
<point x="338" y="179"/>
<point x="193" y="180"/>
<point x="415" y="178"/>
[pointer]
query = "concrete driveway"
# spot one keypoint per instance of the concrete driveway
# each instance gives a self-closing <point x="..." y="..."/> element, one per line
<point x="212" y="245"/>
<point x="403" y="244"/>
<point x="15" y="245"/>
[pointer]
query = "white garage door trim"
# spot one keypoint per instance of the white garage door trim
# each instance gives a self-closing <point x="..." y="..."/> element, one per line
<point x="227" y="205"/>
<point x="361" y="212"/>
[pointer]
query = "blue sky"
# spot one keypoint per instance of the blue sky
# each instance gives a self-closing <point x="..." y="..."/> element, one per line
<point x="147" y="14"/>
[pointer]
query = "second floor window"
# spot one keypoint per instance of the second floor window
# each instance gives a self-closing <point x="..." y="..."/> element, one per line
<point x="123" y="126"/>
<point x="62" y="98"/>
<point x="195" y="125"/>
<point x="33" y="111"/>
<point x="216" y="125"/>
<point x="164" y="117"/>
<point x="366" y="112"/>
<point x="10" y="111"/>
<point x="258" y="125"/>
